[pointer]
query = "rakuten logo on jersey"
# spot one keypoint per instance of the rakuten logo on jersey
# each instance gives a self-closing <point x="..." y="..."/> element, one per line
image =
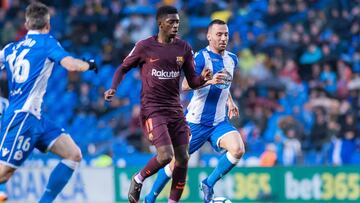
<point x="165" y="75"/>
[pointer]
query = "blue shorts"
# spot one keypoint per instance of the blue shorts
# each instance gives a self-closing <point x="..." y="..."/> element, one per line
<point x="202" y="133"/>
<point x="22" y="133"/>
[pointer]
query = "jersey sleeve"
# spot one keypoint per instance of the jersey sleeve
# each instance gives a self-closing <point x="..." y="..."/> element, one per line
<point x="134" y="59"/>
<point x="235" y="58"/>
<point x="194" y="81"/>
<point x="55" y="51"/>
<point x="199" y="62"/>
<point x="2" y="55"/>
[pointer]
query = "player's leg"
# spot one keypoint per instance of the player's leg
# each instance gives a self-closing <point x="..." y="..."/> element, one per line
<point x="57" y="141"/>
<point x="157" y="132"/>
<point x="199" y="136"/>
<point x="3" y="195"/>
<point x="5" y="173"/>
<point x="16" y="143"/>
<point x="162" y="178"/>
<point x="65" y="147"/>
<point x="225" y="137"/>
<point x="163" y="157"/>
<point x="180" y="132"/>
<point x="232" y="143"/>
<point x="179" y="173"/>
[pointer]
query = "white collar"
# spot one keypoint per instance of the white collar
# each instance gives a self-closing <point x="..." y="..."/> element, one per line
<point x="208" y="49"/>
<point x="33" y="32"/>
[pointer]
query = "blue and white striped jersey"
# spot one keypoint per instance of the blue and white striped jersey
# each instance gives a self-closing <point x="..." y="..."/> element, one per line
<point x="208" y="104"/>
<point x="29" y="63"/>
<point x="4" y="103"/>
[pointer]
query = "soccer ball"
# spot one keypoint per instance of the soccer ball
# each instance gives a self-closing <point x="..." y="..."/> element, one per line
<point x="220" y="200"/>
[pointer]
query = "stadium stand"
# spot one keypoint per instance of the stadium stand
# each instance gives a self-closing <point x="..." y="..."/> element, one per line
<point x="298" y="87"/>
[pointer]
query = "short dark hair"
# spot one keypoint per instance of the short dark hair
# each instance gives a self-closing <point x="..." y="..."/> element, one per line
<point x="36" y="16"/>
<point x="217" y="22"/>
<point x="165" y="10"/>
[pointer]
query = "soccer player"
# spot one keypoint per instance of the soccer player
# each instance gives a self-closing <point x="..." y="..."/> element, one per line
<point x="161" y="58"/>
<point x="29" y="63"/>
<point x="4" y="103"/>
<point x="206" y="113"/>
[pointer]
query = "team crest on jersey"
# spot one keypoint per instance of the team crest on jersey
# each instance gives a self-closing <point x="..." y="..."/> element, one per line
<point x="180" y="60"/>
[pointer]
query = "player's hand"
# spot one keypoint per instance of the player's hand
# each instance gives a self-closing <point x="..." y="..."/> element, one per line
<point x="207" y="74"/>
<point x="218" y="78"/>
<point x="92" y="65"/>
<point x="109" y="94"/>
<point x="233" y="110"/>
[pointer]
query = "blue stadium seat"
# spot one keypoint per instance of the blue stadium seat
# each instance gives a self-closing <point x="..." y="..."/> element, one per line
<point x="199" y="22"/>
<point x="355" y="159"/>
<point x="147" y="10"/>
<point x="310" y="158"/>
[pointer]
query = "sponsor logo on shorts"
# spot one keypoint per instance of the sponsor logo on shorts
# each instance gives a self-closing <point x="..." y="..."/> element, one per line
<point x="18" y="155"/>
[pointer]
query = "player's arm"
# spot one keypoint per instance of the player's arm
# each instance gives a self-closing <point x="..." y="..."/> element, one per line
<point x="216" y="79"/>
<point x="233" y="110"/>
<point x="185" y="86"/>
<point x="199" y="63"/>
<point x="74" y="64"/>
<point x="132" y="60"/>
<point x="199" y="66"/>
<point x="57" y="53"/>
<point x="193" y="80"/>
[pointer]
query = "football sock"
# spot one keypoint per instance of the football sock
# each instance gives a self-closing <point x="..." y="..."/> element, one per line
<point x="58" y="179"/>
<point x="226" y="163"/>
<point x="3" y="187"/>
<point x="163" y="176"/>
<point x="138" y="178"/>
<point x="178" y="182"/>
<point x="151" y="168"/>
